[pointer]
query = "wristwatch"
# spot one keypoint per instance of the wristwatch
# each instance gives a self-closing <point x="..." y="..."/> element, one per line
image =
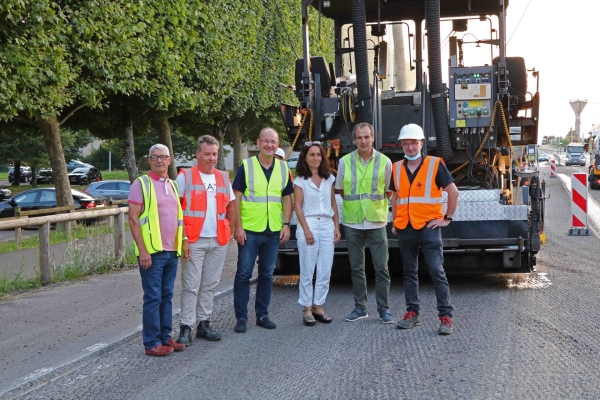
<point x="286" y="224"/>
<point x="447" y="218"/>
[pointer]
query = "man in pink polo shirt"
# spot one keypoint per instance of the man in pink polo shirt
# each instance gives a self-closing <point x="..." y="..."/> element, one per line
<point x="156" y="221"/>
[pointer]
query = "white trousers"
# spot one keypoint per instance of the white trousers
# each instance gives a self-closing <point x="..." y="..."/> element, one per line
<point x="199" y="279"/>
<point x="319" y="255"/>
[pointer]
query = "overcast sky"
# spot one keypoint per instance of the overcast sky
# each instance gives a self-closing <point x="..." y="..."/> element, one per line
<point x="559" y="39"/>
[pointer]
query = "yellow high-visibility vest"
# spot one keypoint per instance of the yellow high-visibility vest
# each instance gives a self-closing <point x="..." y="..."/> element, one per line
<point x="364" y="189"/>
<point x="261" y="202"/>
<point x="149" y="220"/>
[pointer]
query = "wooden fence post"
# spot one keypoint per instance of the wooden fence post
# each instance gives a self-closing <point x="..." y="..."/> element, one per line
<point x="18" y="230"/>
<point x="45" y="265"/>
<point x="119" y="236"/>
<point x="111" y="219"/>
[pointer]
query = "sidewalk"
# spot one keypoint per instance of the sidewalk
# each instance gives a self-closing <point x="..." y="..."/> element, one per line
<point x="49" y="328"/>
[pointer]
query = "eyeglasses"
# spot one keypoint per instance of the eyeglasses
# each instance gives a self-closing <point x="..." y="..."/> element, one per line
<point x="308" y="144"/>
<point x="271" y="142"/>
<point x="162" y="158"/>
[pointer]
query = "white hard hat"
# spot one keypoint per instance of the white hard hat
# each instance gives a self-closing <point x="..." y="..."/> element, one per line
<point x="411" y="131"/>
<point x="279" y="152"/>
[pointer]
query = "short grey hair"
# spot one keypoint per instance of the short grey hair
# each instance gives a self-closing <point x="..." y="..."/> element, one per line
<point x="159" y="146"/>
<point x="364" y="125"/>
<point x="208" y="139"/>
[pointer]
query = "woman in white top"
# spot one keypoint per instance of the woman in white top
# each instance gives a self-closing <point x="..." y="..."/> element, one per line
<point x="318" y="228"/>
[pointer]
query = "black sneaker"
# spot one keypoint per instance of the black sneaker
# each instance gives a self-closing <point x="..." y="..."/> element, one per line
<point x="265" y="322"/>
<point x="240" y="326"/>
<point x="204" y="331"/>
<point x="185" y="335"/>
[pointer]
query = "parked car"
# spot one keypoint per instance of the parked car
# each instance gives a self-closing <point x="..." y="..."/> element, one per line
<point x="74" y="164"/>
<point x="83" y="176"/>
<point x="37" y="199"/>
<point x="292" y="161"/>
<point x="543" y="157"/>
<point x="25" y="174"/>
<point x="44" y="176"/>
<point x="118" y="190"/>
<point x="4" y="193"/>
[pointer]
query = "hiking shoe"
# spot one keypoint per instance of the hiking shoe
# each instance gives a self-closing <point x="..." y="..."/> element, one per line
<point x="176" y="346"/>
<point x="240" y="326"/>
<point x="410" y="320"/>
<point x="204" y="331"/>
<point x="159" y="351"/>
<point x="445" y="326"/>
<point x="185" y="335"/>
<point x="386" y="317"/>
<point x="357" y="313"/>
<point x="266" y="323"/>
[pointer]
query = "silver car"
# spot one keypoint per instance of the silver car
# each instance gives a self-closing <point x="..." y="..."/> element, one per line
<point x="118" y="190"/>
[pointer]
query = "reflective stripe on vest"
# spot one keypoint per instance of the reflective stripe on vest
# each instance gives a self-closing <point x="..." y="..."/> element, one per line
<point x="150" y="221"/>
<point x="195" y="204"/>
<point x="425" y="206"/>
<point x="364" y="189"/>
<point x="261" y="201"/>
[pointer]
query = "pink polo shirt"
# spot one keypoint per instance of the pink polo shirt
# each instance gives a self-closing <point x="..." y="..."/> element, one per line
<point x="167" y="208"/>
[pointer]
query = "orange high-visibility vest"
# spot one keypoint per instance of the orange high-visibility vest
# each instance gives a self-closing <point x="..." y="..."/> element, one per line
<point x="420" y="201"/>
<point x="194" y="203"/>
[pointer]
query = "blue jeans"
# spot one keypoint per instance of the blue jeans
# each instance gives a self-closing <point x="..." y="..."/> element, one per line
<point x="265" y="246"/>
<point x="430" y="241"/>
<point x="157" y="282"/>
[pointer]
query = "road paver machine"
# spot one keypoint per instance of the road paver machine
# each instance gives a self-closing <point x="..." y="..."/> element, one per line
<point x="442" y="65"/>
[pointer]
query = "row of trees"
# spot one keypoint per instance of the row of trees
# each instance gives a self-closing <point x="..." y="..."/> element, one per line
<point x="123" y="70"/>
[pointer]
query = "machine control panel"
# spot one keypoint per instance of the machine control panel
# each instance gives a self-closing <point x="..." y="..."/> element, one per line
<point x="471" y="96"/>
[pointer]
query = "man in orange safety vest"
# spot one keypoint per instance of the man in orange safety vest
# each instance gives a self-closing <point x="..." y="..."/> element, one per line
<point x="207" y="202"/>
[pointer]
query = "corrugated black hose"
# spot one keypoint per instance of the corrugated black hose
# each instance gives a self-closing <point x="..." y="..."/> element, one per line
<point x="361" y="62"/>
<point x="438" y="96"/>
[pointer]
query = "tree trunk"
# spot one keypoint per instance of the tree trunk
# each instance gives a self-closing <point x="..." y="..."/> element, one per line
<point x="236" y="143"/>
<point x="164" y="137"/>
<point x="130" y="163"/>
<point x="33" y="177"/>
<point x="51" y="132"/>
<point x="16" y="173"/>
<point x="218" y="134"/>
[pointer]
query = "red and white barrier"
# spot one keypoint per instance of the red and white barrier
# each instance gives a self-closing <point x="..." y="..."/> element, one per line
<point x="553" y="168"/>
<point x="579" y="205"/>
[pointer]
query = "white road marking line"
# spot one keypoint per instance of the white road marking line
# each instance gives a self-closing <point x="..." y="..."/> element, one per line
<point x="593" y="207"/>
<point x="36" y="374"/>
<point x="96" y="347"/>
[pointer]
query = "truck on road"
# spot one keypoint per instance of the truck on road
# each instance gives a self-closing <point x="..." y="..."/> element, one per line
<point x="575" y="154"/>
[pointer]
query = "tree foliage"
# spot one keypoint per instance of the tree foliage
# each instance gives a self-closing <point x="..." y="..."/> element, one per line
<point x="115" y="67"/>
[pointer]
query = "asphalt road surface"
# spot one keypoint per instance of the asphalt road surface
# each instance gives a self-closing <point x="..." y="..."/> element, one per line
<point x="515" y="336"/>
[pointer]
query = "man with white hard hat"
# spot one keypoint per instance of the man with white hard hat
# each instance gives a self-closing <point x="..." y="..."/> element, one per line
<point x="417" y="183"/>
<point x="279" y="154"/>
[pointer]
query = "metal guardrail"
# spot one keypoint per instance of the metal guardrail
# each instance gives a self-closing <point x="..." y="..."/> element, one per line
<point x="43" y="223"/>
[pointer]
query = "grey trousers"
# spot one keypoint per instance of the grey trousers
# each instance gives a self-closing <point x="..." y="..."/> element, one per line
<point x="199" y="279"/>
<point x="376" y="240"/>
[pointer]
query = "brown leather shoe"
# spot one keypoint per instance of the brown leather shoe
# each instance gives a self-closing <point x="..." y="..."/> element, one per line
<point x="176" y="346"/>
<point x="159" y="351"/>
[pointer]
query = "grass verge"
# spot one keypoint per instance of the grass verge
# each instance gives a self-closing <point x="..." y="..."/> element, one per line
<point x="92" y="256"/>
<point x="57" y="237"/>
